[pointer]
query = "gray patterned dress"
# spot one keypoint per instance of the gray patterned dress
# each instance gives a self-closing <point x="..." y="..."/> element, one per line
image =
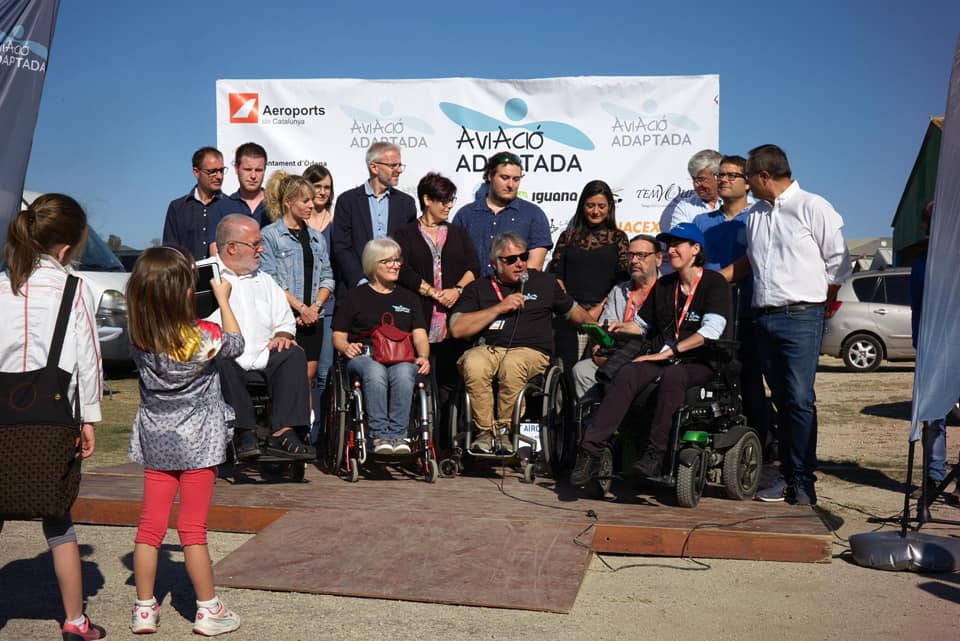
<point x="183" y="423"/>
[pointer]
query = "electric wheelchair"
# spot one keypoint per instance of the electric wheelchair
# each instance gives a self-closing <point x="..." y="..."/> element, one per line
<point x="343" y="449"/>
<point x="710" y="439"/>
<point x="540" y="441"/>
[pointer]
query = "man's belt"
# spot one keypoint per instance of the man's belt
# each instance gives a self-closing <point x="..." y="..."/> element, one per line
<point x="789" y="307"/>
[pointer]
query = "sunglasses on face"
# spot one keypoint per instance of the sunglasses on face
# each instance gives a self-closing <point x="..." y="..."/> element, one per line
<point x="509" y="260"/>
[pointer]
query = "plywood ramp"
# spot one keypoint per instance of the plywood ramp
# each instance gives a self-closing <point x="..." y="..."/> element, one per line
<point x="391" y="535"/>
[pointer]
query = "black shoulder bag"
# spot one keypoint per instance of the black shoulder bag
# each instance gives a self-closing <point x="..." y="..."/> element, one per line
<point x="40" y="433"/>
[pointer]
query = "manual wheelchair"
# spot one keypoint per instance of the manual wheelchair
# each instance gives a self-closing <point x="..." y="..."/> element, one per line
<point x="710" y="440"/>
<point x="540" y="440"/>
<point x="344" y="448"/>
<point x="270" y="466"/>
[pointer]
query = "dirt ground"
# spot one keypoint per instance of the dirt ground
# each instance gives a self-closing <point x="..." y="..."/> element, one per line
<point x="864" y="423"/>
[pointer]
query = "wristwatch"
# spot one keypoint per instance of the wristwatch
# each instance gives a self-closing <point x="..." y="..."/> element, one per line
<point x="676" y="353"/>
<point x="459" y="289"/>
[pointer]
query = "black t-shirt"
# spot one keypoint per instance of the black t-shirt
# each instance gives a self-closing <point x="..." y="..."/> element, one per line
<point x="533" y="327"/>
<point x="711" y="297"/>
<point x="362" y="308"/>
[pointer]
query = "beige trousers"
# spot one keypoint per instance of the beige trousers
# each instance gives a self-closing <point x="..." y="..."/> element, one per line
<point x="512" y="368"/>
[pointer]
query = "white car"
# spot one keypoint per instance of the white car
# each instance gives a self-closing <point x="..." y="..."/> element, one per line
<point x="103" y="272"/>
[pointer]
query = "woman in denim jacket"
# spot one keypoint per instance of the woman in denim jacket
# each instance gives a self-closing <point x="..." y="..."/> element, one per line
<point x="297" y="257"/>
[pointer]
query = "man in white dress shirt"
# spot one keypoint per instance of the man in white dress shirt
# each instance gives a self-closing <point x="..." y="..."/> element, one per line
<point x="268" y="327"/>
<point x="799" y="259"/>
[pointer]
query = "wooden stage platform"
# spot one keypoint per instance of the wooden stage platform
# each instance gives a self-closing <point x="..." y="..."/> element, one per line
<point x="396" y="536"/>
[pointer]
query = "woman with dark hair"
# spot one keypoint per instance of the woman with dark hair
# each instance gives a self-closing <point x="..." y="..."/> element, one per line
<point x="40" y="241"/>
<point x="320" y="221"/>
<point x="439" y="261"/>
<point x="684" y="310"/>
<point x="590" y="258"/>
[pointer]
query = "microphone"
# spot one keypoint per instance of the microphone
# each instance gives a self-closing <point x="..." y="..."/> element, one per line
<point x="524" y="277"/>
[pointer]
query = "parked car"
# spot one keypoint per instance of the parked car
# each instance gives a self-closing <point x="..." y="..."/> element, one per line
<point x="870" y="320"/>
<point x="107" y="278"/>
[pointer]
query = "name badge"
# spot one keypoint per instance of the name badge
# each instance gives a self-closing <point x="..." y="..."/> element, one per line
<point x="496" y="325"/>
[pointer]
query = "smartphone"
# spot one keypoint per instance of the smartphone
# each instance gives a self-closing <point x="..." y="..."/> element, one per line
<point x="207" y="270"/>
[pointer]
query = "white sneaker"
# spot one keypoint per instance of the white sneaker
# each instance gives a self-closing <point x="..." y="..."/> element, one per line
<point x="401" y="447"/>
<point x="145" y="618"/>
<point x="210" y="623"/>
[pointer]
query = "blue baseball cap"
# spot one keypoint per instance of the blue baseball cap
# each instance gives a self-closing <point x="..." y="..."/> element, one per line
<point x="683" y="231"/>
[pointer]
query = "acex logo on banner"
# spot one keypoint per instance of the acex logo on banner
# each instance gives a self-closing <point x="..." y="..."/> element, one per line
<point x="244" y="107"/>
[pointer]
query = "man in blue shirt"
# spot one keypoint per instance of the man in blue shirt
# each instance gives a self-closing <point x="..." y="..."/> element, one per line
<point x="250" y="163"/>
<point x="376" y="209"/>
<point x="188" y="216"/>
<point x="501" y="211"/>
<point x="724" y="231"/>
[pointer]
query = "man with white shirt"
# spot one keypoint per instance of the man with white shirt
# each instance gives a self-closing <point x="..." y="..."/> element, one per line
<point x="796" y="251"/>
<point x="268" y="328"/>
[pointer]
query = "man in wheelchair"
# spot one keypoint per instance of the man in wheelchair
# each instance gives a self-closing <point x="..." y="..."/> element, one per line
<point x="685" y="309"/>
<point x="268" y="328"/>
<point x="511" y="315"/>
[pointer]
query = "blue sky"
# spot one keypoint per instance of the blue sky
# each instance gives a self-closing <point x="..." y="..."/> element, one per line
<point x="846" y="88"/>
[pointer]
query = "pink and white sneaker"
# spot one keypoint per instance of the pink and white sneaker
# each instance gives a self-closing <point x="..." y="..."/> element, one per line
<point x="89" y="631"/>
<point x="218" y="620"/>
<point x="145" y="618"/>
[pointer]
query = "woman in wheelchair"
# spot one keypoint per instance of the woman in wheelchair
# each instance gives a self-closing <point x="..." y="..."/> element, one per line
<point x="685" y="309"/>
<point x="387" y="388"/>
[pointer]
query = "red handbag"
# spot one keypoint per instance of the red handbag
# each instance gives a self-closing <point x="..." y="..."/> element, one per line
<point x="391" y="344"/>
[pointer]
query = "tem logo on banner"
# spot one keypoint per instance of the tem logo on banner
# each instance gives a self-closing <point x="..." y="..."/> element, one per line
<point x="244" y="107"/>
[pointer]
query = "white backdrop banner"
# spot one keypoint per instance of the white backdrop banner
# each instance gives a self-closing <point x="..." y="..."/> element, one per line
<point x="636" y="133"/>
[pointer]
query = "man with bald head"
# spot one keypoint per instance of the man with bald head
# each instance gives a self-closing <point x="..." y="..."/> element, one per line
<point x="268" y="327"/>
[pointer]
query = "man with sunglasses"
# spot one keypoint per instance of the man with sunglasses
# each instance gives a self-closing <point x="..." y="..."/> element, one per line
<point x="250" y="163"/>
<point x="799" y="260"/>
<point x="510" y="313"/>
<point x="376" y="209"/>
<point x="500" y="210"/>
<point x="187" y="217"/>
<point x="725" y="233"/>
<point x="268" y="329"/>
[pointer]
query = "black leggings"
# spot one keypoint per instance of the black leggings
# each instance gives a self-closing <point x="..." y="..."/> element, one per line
<point x="632" y="379"/>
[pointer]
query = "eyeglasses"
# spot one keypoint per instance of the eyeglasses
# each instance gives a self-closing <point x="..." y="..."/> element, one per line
<point x="640" y="255"/>
<point x="753" y="174"/>
<point x="254" y="246"/>
<point x="392" y="165"/>
<point x="731" y="176"/>
<point x="396" y="260"/>
<point x="214" y="172"/>
<point x="507" y="159"/>
<point x="699" y="180"/>
<point x="509" y="260"/>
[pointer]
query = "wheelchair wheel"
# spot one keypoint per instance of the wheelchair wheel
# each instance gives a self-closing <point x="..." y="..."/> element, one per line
<point x="431" y="472"/>
<point x="741" y="467"/>
<point x="598" y="487"/>
<point x="354" y="470"/>
<point x="448" y="468"/>
<point x="333" y="449"/>
<point x="690" y="480"/>
<point x="529" y="473"/>
<point x="297" y="472"/>
<point x="554" y="436"/>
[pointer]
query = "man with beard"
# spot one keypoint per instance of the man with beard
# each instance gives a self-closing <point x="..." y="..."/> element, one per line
<point x="187" y="218"/>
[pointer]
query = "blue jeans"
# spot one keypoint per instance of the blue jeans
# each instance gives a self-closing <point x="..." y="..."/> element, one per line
<point x="935" y="446"/>
<point x="387" y="394"/>
<point x="789" y="344"/>
<point x="319" y="386"/>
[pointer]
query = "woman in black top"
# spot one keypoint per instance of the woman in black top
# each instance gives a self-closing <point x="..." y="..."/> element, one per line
<point x="589" y="259"/>
<point x="684" y="309"/>
<point x="439" y="261"/>
<point x="387" y="389"/>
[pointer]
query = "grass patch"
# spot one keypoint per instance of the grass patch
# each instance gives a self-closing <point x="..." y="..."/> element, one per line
<point x="113" y="432"/>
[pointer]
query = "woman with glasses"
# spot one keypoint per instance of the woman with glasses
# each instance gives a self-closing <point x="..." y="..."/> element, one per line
<point x="297" y="258"/>
<point x="590" y="258"/>
<point x="387" y="388"/>
<point x="320" y="221"/>
<point x="440" y="260"/>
